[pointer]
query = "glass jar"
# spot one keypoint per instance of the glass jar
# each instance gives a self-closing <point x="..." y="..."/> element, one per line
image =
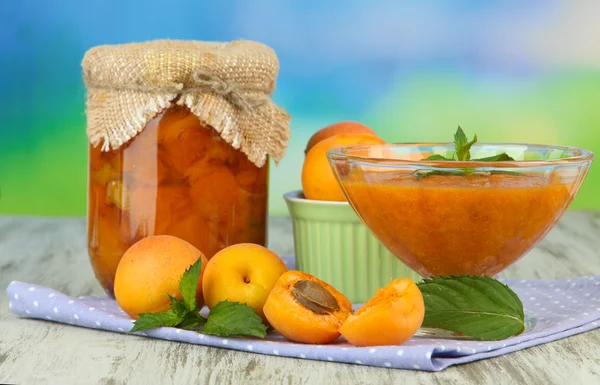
<point x="176" y="177"/>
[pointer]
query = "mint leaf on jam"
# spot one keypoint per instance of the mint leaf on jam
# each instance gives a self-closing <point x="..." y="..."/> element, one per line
<point x="462" y="152"/>
<point x="437" y="157"/>
<point x="225" y="319"/>
<point x="228" y="319"/>
<point x="495" y="158"/>
<point x="421" y="175"/>
<point x="462" y="145"/>
<point x="479" y="307"/>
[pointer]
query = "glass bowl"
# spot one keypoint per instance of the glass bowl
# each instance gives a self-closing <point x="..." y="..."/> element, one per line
<point x="442" y="217"/>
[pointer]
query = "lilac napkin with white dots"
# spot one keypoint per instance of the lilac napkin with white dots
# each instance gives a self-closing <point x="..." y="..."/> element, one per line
<point x="562" y="307"/>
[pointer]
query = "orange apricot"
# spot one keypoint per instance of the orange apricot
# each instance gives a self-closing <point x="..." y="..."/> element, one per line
<point x="318" y="180"/>
<point x="150" y="270"/>
<point x="391" y="317"/>
<point x="215" y="194"/>
<point x="175" y="122"/>
<point x="219" y="149"/>
<point x="184" y="141"/>
<point x="345" y="128"/>
<point x="199" y="168"/>
<point x="242" y="273"/>
<point x="305" y="309"/>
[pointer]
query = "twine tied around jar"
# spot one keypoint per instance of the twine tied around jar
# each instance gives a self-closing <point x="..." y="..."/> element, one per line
<point x="204" y="82"/>
<point x="230" y="91"/>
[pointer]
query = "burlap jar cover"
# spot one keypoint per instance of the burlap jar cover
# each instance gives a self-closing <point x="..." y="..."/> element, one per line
<point x="227" y="85"/>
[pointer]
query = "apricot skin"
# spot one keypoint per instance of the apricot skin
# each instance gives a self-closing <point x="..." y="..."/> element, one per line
<point x="346" y="127"/>
<point x="389" y="318"/>
<point x="151" y="269"/>
<point x="318" y="179"/>
<point x="298" y="323"/>
<point x="244" y="273"/>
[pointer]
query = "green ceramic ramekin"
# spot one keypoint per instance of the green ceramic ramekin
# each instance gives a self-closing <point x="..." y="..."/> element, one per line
<point x="332" y="243"/>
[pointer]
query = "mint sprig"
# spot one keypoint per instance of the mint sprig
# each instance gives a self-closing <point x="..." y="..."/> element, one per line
<point x="479" y="307"/>
<point x="225" y="319"/>
<point x="228" y="319"/>
<point x="462" y="152"/>
<point x="178" y="306"/>
<point x="462" y="145"/>
<point x="180" y="309"/>
<point x="155" y="320"/>
<point x="188" y="285"/>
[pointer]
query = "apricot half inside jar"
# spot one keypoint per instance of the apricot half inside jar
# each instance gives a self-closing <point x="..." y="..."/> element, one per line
<point x="305" y="309"/>
<point x="391" y="317"/>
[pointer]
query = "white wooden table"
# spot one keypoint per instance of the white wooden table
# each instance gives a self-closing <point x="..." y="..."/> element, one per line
<point x="52" y="252"/>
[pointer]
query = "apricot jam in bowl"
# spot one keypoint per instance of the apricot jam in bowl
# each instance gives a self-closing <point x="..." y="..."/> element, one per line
<point x="446" y="216"/>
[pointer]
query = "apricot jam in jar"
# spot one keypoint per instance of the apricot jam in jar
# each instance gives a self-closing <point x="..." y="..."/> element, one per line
<point x="196" y="165"/>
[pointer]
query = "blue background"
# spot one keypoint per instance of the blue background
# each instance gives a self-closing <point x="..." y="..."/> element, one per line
<point x="506" y="70"/>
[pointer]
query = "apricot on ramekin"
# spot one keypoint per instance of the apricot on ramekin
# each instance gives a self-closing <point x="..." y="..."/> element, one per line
<point x="391" y="317"/>
<point x="318" y="180"/>
<point x="305" y="309"/>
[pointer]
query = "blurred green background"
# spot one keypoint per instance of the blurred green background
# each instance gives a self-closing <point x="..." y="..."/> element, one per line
<point x="413" y="71"/>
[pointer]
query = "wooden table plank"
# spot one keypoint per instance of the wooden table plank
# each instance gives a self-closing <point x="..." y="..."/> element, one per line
<point x="52" y="252"/>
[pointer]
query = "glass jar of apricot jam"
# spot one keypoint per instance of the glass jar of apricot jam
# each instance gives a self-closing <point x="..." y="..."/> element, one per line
<point x="180" y="137"/>
<point x="176" y="177"/>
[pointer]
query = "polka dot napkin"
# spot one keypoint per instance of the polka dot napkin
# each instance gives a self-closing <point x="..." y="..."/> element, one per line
<point x="563" y="308"/>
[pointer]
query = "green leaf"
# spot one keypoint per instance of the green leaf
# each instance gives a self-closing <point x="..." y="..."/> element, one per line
<point x="189" y="284"/>
<point x="462" y="145"/>
<point x="480" y="307"/>
<point x="192" y="320"/>
<point x="155" y="320"/>
<point x="228" y="319"/>
<point x="437" y="157"/>
<point x="495" y="158"/>
<point x="463" y="172"/>
<point x="421" y="175"/>
<point x="178" y="306"/>
<point x="499" y="172"/>
<point x="463" y="152"/>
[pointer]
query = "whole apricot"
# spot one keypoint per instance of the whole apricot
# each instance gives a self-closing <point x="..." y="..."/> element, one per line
<point x="391" y="317"/>
<point x="243" y="273"/>
<point x="305" y="309"/>
<point x="150" y="270"/>
<point x="318" y="180"/>
<point x="346" y="128"/>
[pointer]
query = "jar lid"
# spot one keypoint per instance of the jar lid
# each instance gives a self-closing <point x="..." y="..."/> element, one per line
<point x="226" y="85"/>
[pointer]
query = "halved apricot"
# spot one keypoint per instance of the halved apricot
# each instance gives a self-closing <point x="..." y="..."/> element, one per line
<point x="305" y="309"/>
<point x="391" y="317"/>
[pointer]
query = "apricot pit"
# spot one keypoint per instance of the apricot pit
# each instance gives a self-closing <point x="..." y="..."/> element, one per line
<point x="314" y="297"/>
